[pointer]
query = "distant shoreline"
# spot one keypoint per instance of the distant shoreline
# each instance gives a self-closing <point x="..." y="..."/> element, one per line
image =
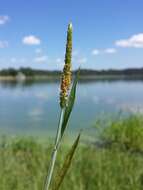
<point x="24" y="74"/>
<point x="81" y="79"/>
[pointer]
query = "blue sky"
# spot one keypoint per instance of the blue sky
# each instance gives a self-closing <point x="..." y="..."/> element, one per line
<point x="107" y="33"/>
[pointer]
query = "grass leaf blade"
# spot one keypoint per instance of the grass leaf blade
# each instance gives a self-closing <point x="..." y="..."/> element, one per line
<point x="60" y="177"/>
<point x="71" y="100"/>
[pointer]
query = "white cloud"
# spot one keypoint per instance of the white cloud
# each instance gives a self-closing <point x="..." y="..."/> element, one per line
<point x="41" y="59"/>
<point x="3" y="44"/>
<point x="135" y="41"/>
<point x="110" y="50"/>
<point x="95" y="52"/>
<point x="4" y="19"/>
<point x="31" y="40"/>
<point x="103" y="51"/>
<point x="82" y="60"/>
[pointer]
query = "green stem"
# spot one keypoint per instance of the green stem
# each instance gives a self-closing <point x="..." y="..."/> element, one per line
<point x="54" y="153"/>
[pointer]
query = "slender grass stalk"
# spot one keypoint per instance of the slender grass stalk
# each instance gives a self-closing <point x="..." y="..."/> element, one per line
<point x="64" y="93"/>
<point x="55" y="150"/>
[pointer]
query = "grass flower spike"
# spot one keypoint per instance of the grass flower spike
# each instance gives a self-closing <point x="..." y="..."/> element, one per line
<point x="66" y="75"/>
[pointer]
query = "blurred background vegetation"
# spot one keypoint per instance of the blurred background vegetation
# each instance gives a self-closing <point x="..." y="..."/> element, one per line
<point x="112" y="160"/>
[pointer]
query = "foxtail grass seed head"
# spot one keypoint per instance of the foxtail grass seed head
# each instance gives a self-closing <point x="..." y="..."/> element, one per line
<point x="66" y="75"/>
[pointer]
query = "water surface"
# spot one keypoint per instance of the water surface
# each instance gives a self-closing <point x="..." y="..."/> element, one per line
<point x="33" y="108"/>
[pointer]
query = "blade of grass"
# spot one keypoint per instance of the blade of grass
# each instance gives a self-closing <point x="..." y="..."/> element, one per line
<point x="61" y="174"/>
<point x="70" y="104"/>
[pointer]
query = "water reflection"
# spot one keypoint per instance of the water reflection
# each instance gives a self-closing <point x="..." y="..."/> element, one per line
<point x="30" y="107"/>
<point x="25" y="83"/>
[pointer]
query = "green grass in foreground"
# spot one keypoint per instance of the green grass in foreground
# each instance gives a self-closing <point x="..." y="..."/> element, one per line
<point x="116" y="163"/>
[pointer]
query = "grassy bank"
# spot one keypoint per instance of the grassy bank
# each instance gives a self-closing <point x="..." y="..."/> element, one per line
<point x="114" y="161"/>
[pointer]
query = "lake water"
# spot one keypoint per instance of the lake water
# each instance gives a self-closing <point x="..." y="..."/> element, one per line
<point x="33" y="108"/>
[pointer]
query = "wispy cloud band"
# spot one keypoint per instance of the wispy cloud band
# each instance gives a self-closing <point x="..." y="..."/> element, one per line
<point x="135" y="41"/>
